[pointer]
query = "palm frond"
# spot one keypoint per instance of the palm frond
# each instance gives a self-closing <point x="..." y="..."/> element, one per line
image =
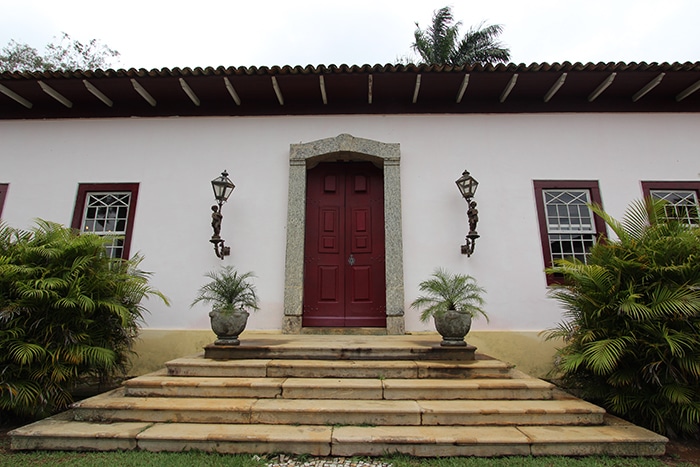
<point x="440" y="44"/>
<point x="637" y="219"/>
<point x="480" y="45"/>
<point x="24" y="353"/>
<point x="228" y="289"/>
<point x="678" y="302"/>
<point x="611" y="222"/>
<point x="603" y="356"/>
<point x="572" y="362"/>
<point x="445" y="291"/>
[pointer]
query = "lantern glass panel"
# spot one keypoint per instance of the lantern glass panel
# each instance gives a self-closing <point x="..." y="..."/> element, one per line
<point x="223" y="187"/>
<point x="467" y="185"/>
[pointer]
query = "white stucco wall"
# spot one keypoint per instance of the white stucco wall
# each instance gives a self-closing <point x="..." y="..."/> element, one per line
<point x="174" y="159"/>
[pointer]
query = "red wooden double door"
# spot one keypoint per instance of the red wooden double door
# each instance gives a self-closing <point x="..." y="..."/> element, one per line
<point x="344" y="267"/>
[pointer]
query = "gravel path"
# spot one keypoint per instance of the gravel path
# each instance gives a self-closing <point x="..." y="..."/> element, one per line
<point x="289" y="461"/>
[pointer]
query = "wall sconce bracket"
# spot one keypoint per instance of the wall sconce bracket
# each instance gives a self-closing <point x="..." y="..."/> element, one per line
<point x="467" y="187"/>
<point x="223" y="187"/>
<point x="468" y="247"/>
<point x="220" y="249"/>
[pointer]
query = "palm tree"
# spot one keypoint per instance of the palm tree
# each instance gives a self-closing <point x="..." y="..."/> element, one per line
<point x="440" y="44"/>
<point x="632" y="320"/>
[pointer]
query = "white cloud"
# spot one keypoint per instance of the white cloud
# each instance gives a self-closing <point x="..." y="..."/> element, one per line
<point x="154" y="34"/>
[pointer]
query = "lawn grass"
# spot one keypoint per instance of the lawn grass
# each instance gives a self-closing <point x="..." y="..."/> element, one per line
<point x="127" y="458"/>
<point x="198" y="458"/>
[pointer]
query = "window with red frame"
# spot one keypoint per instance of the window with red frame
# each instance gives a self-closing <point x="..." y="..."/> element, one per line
<point x="107" y="209"/>
<point x="568" y="228"/>
<point x="681" y="198"/>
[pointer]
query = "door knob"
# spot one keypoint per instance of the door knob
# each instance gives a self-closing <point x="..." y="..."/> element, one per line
<point x="351" y="260"/>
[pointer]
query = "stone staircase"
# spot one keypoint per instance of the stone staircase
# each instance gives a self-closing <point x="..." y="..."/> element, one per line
<point x="340" y="396"/>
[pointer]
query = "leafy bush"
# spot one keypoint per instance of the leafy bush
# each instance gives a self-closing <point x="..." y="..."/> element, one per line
<point x="632" y="328"/>
<point x="68" y="313"/>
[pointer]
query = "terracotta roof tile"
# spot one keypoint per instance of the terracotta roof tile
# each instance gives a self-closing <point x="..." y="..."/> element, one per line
<point x="490" y="88"/>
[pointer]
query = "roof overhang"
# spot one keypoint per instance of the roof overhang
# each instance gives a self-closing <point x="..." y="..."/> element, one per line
<point x="378" y="89"/>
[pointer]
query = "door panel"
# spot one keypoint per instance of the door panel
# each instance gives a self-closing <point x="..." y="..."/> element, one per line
<point x="361" y="230"/>
<point x="330" y="231"/>
<point x="329" y="282"/>
<point x="361" y="284"/>
<point x="344" y="277"/>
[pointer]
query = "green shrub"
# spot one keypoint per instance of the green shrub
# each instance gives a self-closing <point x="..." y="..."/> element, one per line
<point x="632" y="321"/>
<point x="68" y="313"/>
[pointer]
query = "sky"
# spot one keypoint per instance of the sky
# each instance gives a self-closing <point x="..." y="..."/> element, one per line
<point x="178" y="33"/>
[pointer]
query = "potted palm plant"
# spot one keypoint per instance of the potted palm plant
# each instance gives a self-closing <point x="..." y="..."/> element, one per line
<point x="231" y="295"/>
<point x="452" y="300"/>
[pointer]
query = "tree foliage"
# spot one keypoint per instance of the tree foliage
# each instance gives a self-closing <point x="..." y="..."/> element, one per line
<point x="67" y="54"/>
<point x="632" y="321"/>
<point x="68" y="313"/>
<point x="441" y="44"/>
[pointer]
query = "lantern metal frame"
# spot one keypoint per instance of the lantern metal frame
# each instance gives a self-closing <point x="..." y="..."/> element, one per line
<point x="223" y="187"/>
<point x="467" y="186"/>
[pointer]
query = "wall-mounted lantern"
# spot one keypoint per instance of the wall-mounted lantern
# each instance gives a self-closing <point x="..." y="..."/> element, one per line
<point x="467" y="187"/>
<point x="223" y="187"/>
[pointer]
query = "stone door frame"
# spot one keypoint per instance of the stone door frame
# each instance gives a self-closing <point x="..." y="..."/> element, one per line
<point x="343" y="147"/>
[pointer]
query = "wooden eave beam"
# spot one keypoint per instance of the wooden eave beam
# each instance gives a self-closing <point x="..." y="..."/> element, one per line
<point x="649" y="86"/>
<point x="190" y="93"/>
<point x="555" y="87"/>
<point x="509" y="87"/>
<point x="97" y="93"/>
<point x="278" y="91"/>
<point x="463" y="88"/>
<point x="602" y="87"/>
<point x="143" y="93"/>
<point x="55" y="94"/>
<point x="322" y="84"/>
<point x="15" y="97"/>
<point x="370" y="83"/>
<point x="416" y="88"/>
<point x="232" y="91"/>
<point x="688" y="91"/>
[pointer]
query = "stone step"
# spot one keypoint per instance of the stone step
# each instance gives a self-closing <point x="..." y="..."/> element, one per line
<point x="161" y="385"/>
<point x="490" y="441"/>
<point x="334" y="396"/>
<point x="617" y="439"/>
<point x="116" y="406"/>
<point x="249" y="349"/>
<point x="421" y="346"/>
<point x="285" y="368"/>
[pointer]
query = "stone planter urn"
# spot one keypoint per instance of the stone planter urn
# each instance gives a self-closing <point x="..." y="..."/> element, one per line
<point x="453" y="300"/>
<point x="230" y="294"/>
<point x="228" y="325"/>
<point x="453" y="326"/>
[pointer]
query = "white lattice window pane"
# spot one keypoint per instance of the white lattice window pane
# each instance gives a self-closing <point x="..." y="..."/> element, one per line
<point x="107" y="214"/>
<point x="567" y="246"/>
<point x="570" y="225"/>
<point x="568" y="211"/>
<point x="682" y="205"/>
